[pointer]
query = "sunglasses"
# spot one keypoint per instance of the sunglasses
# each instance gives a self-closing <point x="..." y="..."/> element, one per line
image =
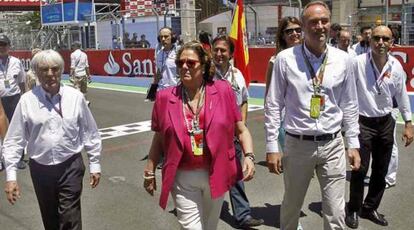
<point x="190" y="63"/>
<point x="290" y="31"/>
<point x="378" y="38"/>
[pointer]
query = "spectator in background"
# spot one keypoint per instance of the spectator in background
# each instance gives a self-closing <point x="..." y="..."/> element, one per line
<point x="126" y="40"/>
<point x="79" y="69"/>
<point x="12" y="82"/>
<point x="32" y="80"/>
<point x="344" y="42"/>
<point x="166" y="74"/>
<point x="143" y="43"/>
<point x="134" y="41"/>
<point x="260" y="39"/>
<point x="363" y="46"/>
<point x="333" y="34"/>
<point x="204" y="39"/>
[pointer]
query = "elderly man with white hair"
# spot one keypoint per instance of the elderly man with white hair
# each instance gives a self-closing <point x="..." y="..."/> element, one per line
<point x="55" y="124"/>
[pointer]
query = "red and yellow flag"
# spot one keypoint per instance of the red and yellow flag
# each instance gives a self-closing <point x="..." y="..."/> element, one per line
<point x="239" y="36"/>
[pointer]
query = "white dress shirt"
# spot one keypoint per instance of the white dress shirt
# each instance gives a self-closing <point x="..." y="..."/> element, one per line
<point x="359" y="49"/>
<point x="51" y="138"/>
<point x="291" y="88"/>
<point x="390" y="82"/>
<point x="238" y="84"/>
<point x="167" y="67"/>
<point x="79" y="62"/>
<point x="11" y="75"/>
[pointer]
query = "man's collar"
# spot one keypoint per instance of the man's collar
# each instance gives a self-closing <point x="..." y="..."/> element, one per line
<point x="46" y="94"/>
<point x="311" y="55"/>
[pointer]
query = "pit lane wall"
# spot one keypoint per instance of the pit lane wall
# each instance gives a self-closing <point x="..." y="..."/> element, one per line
<point x="140" y="62"/>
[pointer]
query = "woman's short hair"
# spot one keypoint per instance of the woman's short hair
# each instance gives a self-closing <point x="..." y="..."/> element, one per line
<point x="47" y="56"/>
<point x="203" y="56"/>
<point x="284" y="22"/>
<point x="227" y="39"/>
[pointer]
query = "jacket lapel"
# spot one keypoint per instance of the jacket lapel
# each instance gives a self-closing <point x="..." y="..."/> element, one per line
<point x="175" y="108"/>
<point x="212" y="102"/>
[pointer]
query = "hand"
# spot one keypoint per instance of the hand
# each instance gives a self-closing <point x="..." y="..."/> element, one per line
<point x="274" y="162"/>
<point x="89" y="79"/>
<point x="150" y="185"/>
<point x="354" y="159"/>
<point x="248" y="169"/>
<point x="13" y="191"/>
<point x="408" y="134"/>
<point x="94" y="179"/>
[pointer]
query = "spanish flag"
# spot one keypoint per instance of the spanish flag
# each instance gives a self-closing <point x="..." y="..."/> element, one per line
<point x="239" y="36"/>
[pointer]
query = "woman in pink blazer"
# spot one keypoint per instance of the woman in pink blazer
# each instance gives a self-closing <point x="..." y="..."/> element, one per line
<point x="194" y="125"/>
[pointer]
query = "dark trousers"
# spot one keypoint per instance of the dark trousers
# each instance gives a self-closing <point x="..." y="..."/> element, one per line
<point x="376" y="140"/>
<point x="238" y="199"/>
<point x="58" y="190"/>
<point x="9" y="105"/>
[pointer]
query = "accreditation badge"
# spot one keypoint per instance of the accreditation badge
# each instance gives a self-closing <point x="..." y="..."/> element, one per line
<point x="7" y="84"/>
<point x="197" y="142"/>
<point x="315" y="106"/>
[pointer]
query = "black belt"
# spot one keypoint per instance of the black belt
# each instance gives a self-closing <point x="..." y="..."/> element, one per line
<point x="322" y="137"/>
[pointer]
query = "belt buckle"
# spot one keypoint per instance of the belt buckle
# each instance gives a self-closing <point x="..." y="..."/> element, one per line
<point x="315" y="138"/>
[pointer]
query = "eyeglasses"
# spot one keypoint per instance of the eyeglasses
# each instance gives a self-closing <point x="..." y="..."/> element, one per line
<point x="46" y="69"/>
<point x="190" y="63"/>
<point x="378" y="38"/>
<point x="290" y="31"/>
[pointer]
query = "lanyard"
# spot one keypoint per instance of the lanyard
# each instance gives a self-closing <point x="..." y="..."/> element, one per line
<point x="196" y="124"/>
<point x="316" y="80"/>
<point x="6" y="68"/>
<point x="58" y="110"/>
<point x="381" y="77"/>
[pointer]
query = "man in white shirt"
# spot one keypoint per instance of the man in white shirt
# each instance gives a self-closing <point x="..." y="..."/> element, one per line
<point x="315" y="84"/>
<point x="3" y="129"/>
<point x="166" y="53"/>
<point x="363" y="46"/>
<point x="12" y="82"/>
<point x="344" y="41"/>
<point x="222" y="51"/>
<point x="379" y="78"/>
<point x="79" y="69"/>
<point x="54" y="123"/>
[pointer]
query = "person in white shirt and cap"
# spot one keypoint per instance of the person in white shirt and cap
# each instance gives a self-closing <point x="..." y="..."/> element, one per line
<point x="315" y="84"/>
<point x="379" y="78"/>
<point x="79" y="69"/>
<point x="54" y="123"/>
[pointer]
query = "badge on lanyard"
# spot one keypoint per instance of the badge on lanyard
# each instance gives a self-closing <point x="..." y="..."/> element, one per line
<point x="7" y="84"/>
<point x="315" y="106"/>
<point x="197" y="140"/>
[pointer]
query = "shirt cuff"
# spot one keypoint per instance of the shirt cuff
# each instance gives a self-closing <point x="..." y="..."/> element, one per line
<point x="95" y="168"/>
<point x="11" y="174"/>
<point x="406" y="116"/>
<point x="353" y="142"/>
<point x="272" y="147"/>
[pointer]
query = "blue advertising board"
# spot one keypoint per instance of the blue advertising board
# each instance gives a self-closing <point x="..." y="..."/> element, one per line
<point x="52" y="13"/>
<point x="67" y="12"/>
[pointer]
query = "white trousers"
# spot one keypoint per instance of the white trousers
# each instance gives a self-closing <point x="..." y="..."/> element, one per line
<point x="391" y="176"/>
<point x="301" y="158"/>
<point x="195" y="208"/>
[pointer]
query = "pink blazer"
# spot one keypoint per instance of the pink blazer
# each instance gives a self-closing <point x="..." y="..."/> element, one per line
<point x="221" y="115"/>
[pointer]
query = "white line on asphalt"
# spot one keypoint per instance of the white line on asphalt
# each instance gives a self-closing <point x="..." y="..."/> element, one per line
<point x="139" y="127"/>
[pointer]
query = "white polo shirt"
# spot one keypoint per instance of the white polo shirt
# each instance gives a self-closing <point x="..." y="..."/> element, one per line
<point x="11" y="75"/>
<point x="79" y="62"/>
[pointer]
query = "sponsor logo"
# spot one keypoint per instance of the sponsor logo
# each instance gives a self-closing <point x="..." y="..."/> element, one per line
<point x="111" y="67"/>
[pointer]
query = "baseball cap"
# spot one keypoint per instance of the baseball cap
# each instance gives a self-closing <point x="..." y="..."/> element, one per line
<point x="4" y="39"/>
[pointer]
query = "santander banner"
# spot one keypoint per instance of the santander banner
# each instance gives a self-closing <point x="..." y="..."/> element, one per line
<point x="140" y="62"/>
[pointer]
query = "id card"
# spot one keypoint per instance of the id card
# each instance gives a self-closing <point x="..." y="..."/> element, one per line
<point x="322" y="102"/>
<point x="7" y="84"/>
<point x="197" y="142"/>
<point x="315" y="106"/>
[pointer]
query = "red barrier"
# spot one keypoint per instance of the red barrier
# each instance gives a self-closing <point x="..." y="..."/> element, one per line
<point x="140" y="62"/>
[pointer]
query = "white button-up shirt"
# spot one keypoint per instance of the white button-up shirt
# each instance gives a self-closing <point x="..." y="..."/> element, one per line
<point x="53" y="129"/>
<point x="165" y="62"/>
<point x="79" y="62"/>
<point x="291" y="88"/>
<point x="359" y="49"/>
<point x="11" y="75"/>
<point x="390" y="82"/>
<point x="238" y="84"/>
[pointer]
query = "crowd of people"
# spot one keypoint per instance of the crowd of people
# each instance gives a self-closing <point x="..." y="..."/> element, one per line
<point x="325" y="101"/>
